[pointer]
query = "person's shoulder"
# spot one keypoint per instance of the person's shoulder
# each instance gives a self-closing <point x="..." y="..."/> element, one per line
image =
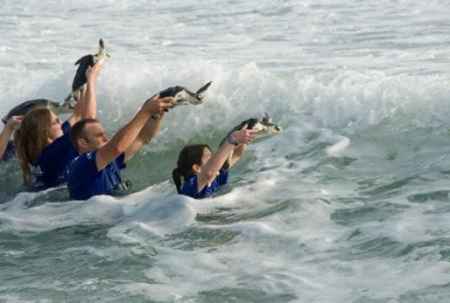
<point x="59" y="145"/>
<point x="66" y="127"/>
<point x="191" y="180"/>
<point x="189" y="186"/>
<point x="82" y="166"/>
<point x="120" y="162"/>
<point x="82" y="160"/>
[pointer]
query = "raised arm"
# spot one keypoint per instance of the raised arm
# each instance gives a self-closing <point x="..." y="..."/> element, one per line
<point x="147" y="133"/>
<point x="236" y="154"/>
<point x="89" y="110"/>
<point x="211" y="168"/>
<point x="126" y="136"/>
<point x="76" y="115"/>
<point x="86" y="107"/>
<point x="6" y="133"/>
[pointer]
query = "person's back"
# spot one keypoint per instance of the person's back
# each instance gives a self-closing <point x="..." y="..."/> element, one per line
<point x="54" y="158"/>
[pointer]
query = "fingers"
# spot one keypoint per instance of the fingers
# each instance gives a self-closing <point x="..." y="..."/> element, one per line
<point x="158" y="105"/>
<point x="100" y="62"/>
<point x="93" y="71"/>
<point x="249" y="136"/>
<point x="244" y="136"/>
<point x="167" y="100"/>
<point x="14" y="122"/>
<point x="165" y="103"/>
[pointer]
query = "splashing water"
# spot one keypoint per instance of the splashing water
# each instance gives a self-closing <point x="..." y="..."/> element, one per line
<point x="350" y="203"/>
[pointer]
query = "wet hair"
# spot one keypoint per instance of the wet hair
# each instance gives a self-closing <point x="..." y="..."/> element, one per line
<point x="31" y="138"/>
<point x="77" y="130"/>
<point x="189" y="155"/>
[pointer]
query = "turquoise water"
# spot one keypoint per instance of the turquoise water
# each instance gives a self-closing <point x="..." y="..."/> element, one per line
<point x="350" y="203"/>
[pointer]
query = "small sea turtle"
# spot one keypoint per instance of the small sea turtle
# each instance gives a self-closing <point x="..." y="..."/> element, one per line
<point x="183" y="96"/>
<point x="25" y="107"/>
<point x="264" y="127"/>
<point x="80" y="76"/>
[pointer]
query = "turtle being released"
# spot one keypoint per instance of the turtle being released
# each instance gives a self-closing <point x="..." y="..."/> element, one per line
<point x="80" y="80"/>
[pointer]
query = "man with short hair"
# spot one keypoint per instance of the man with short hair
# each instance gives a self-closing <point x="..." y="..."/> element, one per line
<point x="97" y="170"/>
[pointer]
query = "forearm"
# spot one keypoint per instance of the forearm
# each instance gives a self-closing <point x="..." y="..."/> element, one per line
<point x="150" y="130"/>
<point x="128" y="134"/>
<point x="215" y="163"/>
<point x="77" y="111"/>
<point x="89" y="104"/>
<point x="122" y="140"/>
<point x="237" y="154"/>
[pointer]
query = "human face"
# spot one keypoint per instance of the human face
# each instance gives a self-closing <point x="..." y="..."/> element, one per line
<point x="206" y="155"/>
<point x="205" y="158"/>
<point x="55" y="130"/>
<point x="95" y="136"/>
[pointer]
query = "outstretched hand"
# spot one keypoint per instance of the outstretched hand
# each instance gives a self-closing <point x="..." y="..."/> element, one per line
<point x="158" y="105"/>
<point x="93" y="71"/>
<point x="244" y="135"/>
<point x="14" y="122"/>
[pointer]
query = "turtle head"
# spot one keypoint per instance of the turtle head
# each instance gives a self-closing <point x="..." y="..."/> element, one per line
<point x="101" y="54"/>
<point x="265" y="126"/>
<point x="200" y="93"/>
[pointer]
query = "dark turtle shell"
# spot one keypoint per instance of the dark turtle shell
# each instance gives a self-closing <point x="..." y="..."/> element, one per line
<point x="25" y="107"/>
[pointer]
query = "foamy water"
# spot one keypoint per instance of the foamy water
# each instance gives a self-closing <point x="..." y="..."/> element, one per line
<point x="348" y="204"/>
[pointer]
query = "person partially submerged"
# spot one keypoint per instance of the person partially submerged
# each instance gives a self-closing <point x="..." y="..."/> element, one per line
<point x="202" y="171"/>
<point x="43" y="145"/>
<point x="97" y="170"/>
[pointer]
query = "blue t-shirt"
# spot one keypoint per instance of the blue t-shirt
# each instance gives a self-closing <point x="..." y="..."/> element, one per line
<point x="50" y="167"/>
<point x="85" y="181"/>
<point x="189" y="187"/>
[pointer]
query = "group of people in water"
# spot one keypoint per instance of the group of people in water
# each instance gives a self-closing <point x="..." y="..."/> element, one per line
<point x="79" y="153"/>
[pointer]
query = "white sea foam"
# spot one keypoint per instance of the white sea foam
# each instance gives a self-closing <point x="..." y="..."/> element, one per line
<point x="347" y="204"/>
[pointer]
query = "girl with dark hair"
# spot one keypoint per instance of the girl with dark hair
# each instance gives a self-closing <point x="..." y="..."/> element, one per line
<point x="203" y="172"/>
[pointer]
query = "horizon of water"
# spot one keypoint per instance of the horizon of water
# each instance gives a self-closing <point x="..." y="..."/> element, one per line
<point x="348" y="204"/>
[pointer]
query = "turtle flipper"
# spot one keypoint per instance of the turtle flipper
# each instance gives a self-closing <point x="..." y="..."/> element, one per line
<point x="203" y="88"/>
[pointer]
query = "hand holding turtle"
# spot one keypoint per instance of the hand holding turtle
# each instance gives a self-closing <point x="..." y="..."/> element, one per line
<point x="242" y="136"/>
<point x="14" y="122"/>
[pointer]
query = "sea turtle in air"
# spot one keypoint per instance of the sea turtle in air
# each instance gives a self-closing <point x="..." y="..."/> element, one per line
<point x="80" y="80"/>
<point x="25" y="107"/>
<point x="183" y="96"/>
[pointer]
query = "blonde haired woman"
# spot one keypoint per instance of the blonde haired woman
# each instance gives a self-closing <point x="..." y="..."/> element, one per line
<point x="43" y="143"/>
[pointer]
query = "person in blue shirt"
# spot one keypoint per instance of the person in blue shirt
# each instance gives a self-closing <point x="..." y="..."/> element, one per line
<point x="203" y="172"/>
<point x="43" y="145"/>
<point x="97" y="170"/>
<point x="7" y="149"/>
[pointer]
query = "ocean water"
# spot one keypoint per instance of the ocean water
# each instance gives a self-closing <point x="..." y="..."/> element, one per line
<point x="350" y="203"/>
